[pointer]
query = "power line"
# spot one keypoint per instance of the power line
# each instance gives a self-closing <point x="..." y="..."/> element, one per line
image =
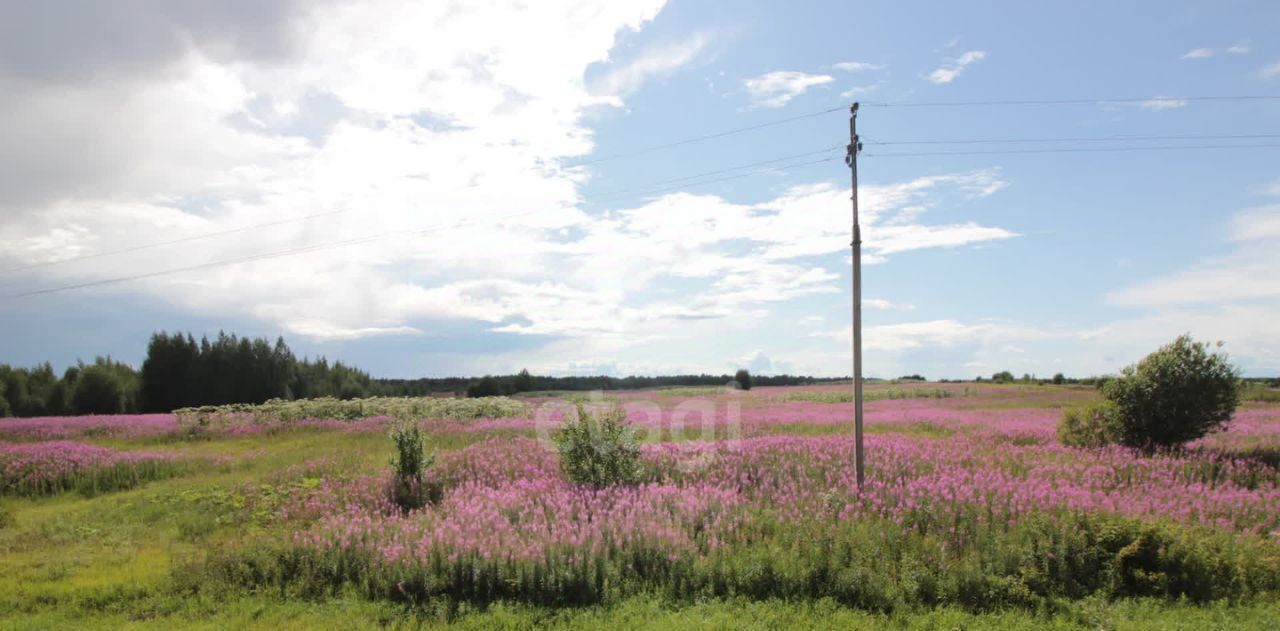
<point x="1072" y="101"/>
<point x="656" y="186"/>
<point x="728" y="132"/>
<point x="158" y="244"/>
<point x="1069" y="150"/>
<point x="1069" y="139"/>
<point x="331" y="245"/>
<point x="696" y="139"/>
<point x="598" y="196"/>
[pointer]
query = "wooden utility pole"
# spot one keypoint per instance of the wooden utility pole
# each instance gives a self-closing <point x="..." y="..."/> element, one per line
<point x="851" y="158"/>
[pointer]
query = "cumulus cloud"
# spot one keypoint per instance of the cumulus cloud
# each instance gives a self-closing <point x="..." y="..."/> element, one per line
<point x="1239" y="49"/>
<point x="1270" y="71"/>
<point x="654" y="61"/>
<point x="345" y="113"/>
<point x="951" y="68"/>
<point x="776" y="89"/>
<point x="1198" y="53"/>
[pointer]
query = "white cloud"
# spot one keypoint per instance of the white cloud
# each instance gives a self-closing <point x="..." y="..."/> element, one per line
<point x="858" y="90"/>
<point x="950" y="69"/>
<point x="1270" y="71"/>
<point x="1239" y="49"/>
<point x="1198" y="53"/>
<point x="776" y="89"/>
<point x="363" y="117"/>
<point x="1256" y="224"/>
<point x="654" y="61"/>
<point x="857" y="66"/>
<point x="1247" y="273"/>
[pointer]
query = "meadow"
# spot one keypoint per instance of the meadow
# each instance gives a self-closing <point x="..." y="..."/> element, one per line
<point x="747" y="515"/>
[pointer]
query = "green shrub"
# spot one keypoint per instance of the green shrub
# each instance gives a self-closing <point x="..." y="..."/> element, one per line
<point x="1177" y="394"/>
<point x="410" y="464"/>
<point x="1092" y="425"/>
<point x="743" y="379"/>
<point x="599" y="449"/>
<point x="1003" y="376"/>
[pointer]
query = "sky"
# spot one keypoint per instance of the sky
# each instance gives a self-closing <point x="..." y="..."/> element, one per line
<point x="432" y="189"/>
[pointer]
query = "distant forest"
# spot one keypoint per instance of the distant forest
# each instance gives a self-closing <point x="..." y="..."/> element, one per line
<point x="180" y="371"/>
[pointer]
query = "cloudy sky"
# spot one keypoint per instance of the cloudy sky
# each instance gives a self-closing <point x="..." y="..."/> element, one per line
<point x="428" y="188"/>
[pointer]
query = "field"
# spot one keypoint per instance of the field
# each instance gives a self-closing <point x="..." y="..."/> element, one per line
<point x="749" y="516"/>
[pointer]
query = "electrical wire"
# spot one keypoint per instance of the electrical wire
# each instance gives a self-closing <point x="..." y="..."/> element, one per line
<point x="1067" y="150"/>
<point x="1074" y="101"/>
<point x="656" y="185"/>
<point x="1068" y="139"/>
<point x="337" y="244"/>
<point x="703" y="138"/>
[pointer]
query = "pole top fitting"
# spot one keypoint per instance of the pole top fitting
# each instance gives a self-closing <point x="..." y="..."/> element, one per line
<point x="853" y="109"/>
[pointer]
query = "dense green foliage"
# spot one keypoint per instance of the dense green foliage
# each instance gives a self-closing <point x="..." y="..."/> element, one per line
<point x="179" y="372"/>
<point x="598" y="449"/>
<point x="1177" y="394"/>
<point x="111" y="388"/>
<point x="743" y="379"/>
<point x="1093" y="425"/>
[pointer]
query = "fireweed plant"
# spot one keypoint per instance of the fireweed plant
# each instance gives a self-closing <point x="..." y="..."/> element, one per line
<point x="970" y="501"/>
<point x="45" y="468"/>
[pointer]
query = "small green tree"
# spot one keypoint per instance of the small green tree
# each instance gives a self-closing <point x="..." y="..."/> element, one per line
<point x="743" y="379"/>
<point x="1059" y="379"/>
<point x="409" y="466"/>
<point x="598" y="450"/>
<point x="1003" y="376"/>
<point x="1177" y="394"/>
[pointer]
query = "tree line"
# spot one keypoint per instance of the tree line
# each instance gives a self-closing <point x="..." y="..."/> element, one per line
<point x="180" y="371"/>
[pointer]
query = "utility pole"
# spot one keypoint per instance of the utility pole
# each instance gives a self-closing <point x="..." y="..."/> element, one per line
<point x="851" y="158"/>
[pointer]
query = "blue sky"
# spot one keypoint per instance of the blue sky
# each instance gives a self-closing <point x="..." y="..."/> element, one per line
<point x="470" y="141"/>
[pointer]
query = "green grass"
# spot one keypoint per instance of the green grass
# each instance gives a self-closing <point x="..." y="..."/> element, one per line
<point x="1260" y="394"/>
<point x="110" y="561"/>
<point x="348" y="613"/>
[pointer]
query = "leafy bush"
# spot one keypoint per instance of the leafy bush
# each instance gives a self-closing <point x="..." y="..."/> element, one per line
<point x="410" y="464"/>
<point x="743" y="379"/>
<point x="1092" y="425"/>
<point x="1177" y="394"/>
<point x="598" y="450"/>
